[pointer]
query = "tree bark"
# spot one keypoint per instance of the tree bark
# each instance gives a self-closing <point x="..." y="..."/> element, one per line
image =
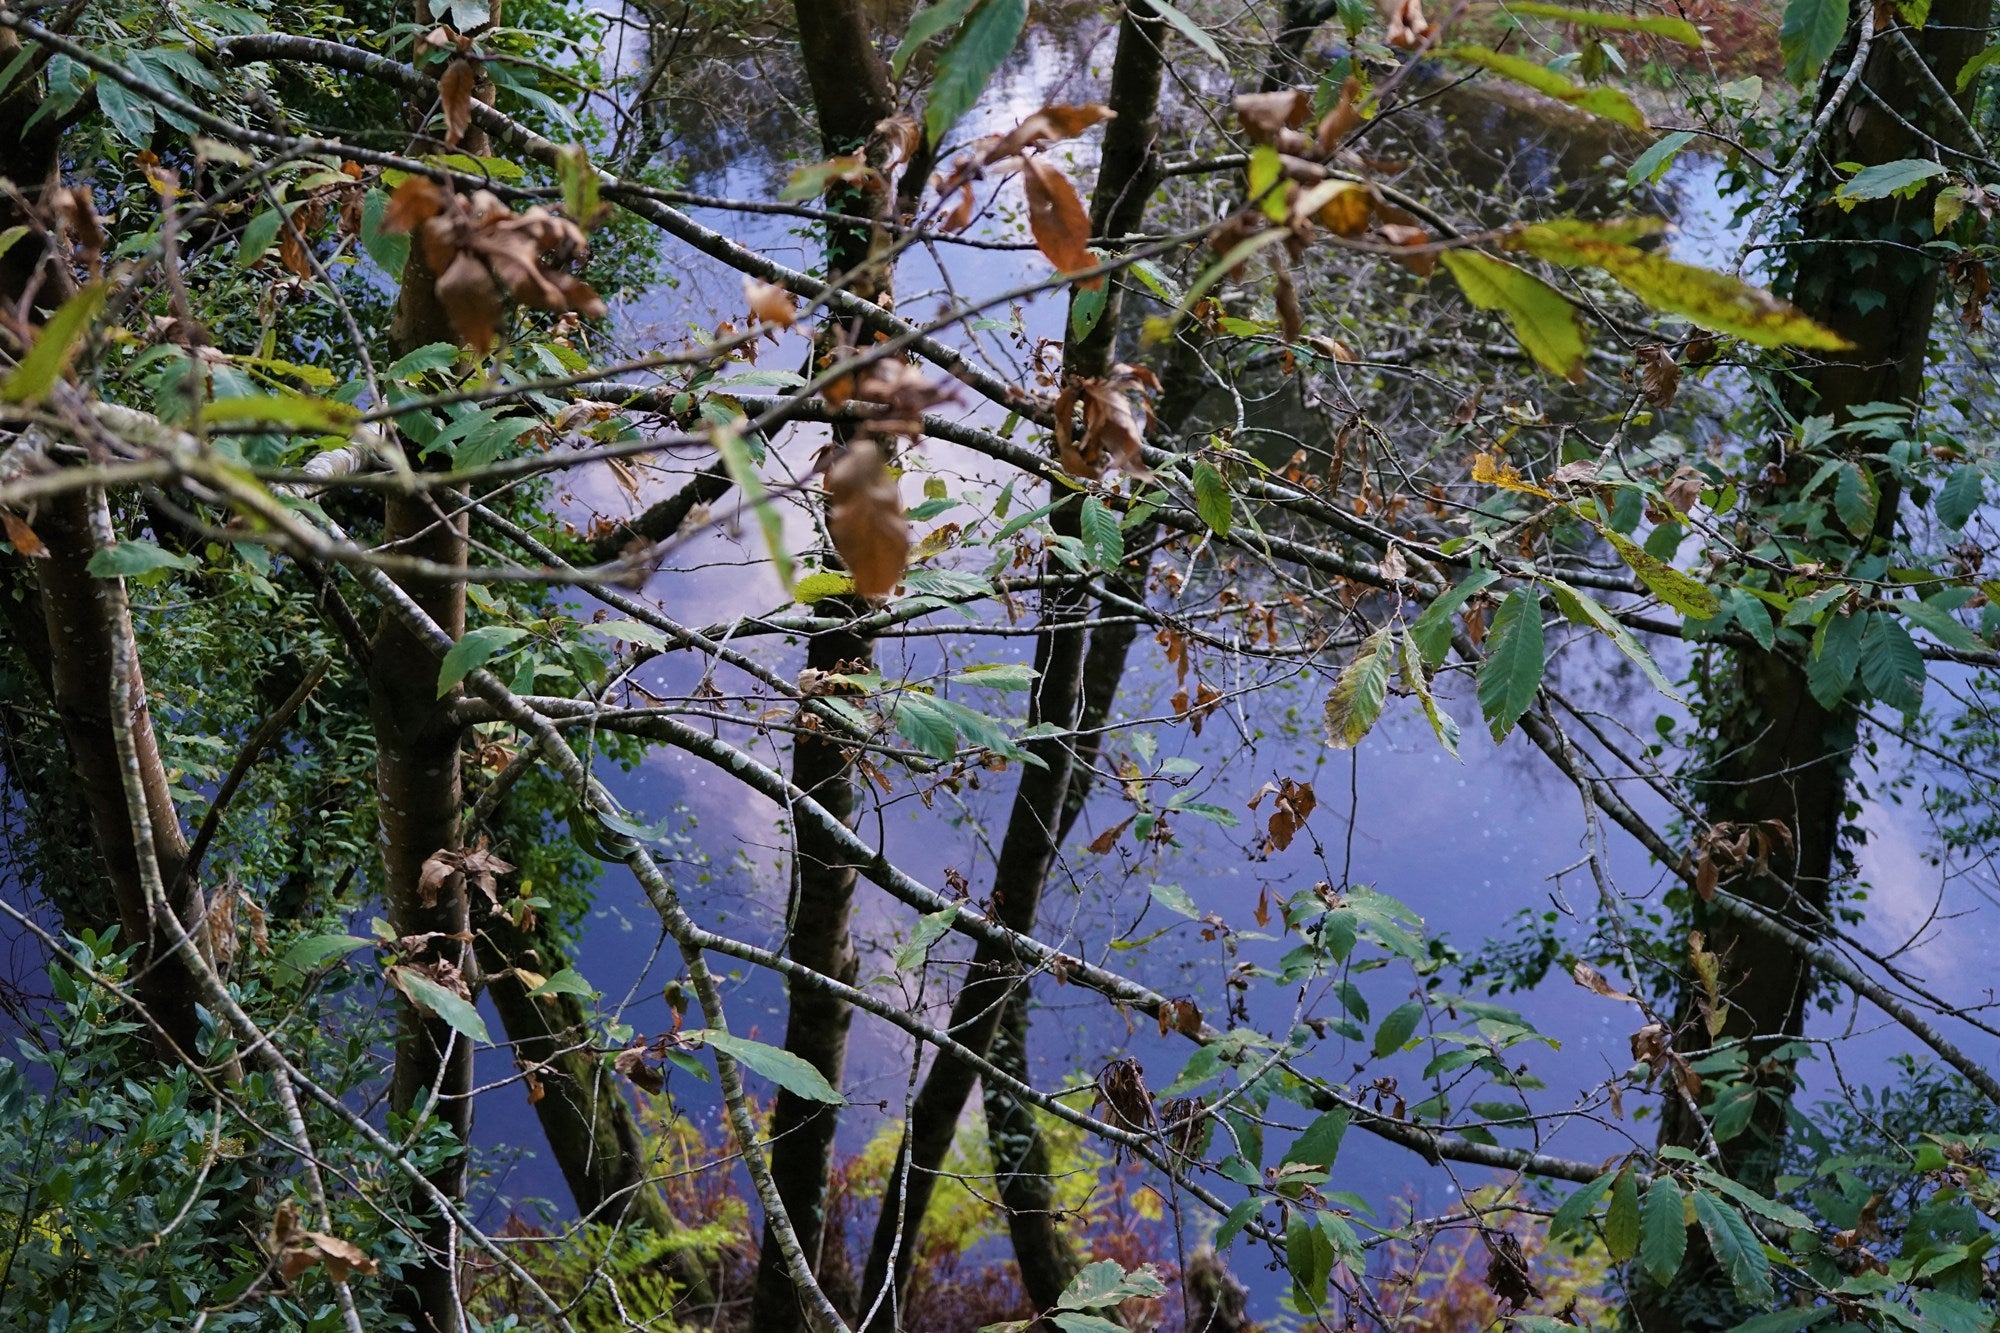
<point x="990" y="1015"/>
<point x="1783" y="755"/>
<point x="851" y="94"/>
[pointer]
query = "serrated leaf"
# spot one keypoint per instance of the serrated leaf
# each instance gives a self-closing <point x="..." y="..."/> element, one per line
<point x="970" y="60"/>
<point x="1598" y="99"/>
<point x="1103" y="538"/>
<point x="55" y="345"/>
<point x="1191" y="30"/>
<point x="1673" y="29"/>
<point x="568" y="981"/>
<point x="1443" y="725"/>
<point x="1176" y="899"/>
<point x="1941" y="624"/>
<point x="1650" y="167"/>
<point x="743" y="471"/>
<point x="929" y="930"/>
<point x="1892" y="667"/>
<point x="319" y="415"/>
<point x="1359" y="692"/>
<point x="925" y="24"/>
<point x="475" y="650"/>
<point x="1905" y="179"/>
<point x="923" y="724"/>
<point x="1960" y="497"/>
<point x="1621" y="1219"/>
<point x="135" y="559"/>
<point x="781" y="1067"/>
<point x="822" y="585"/>
<point x="1785" y="1321"/>
<point x="259" y="235"/>
<point x="1855" y="497"/>
<point x="1545" y="324"/>
<point x="1397" y="1027"/>
<point x="1811" y="32"/>
<point x="1515" y="658"/>
<point x="1736" y="1248"/>
<point x="456" y="1011"/>
<point x="1714" y="300"/>
<point x="1662" y="1230"/>
<point x="1075" y="1321"/>
<point x="1000" y="676"/>
<point x="315" y="951"/>
<point x="1835" y="655"/>
<point x="1106" y="1283"/>
<point x="1212" y="500"/>
<point x="1239" y="1217"/>
<point x="1568" y="1218"/>
<point x="1581" y="609"/>
<point x="1319" y="1145"/>
<point x="1678" y="589"/>
<point x="1432" y="630"/>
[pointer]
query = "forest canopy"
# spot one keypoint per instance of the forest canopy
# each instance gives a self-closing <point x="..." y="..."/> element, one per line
<point x="875" y="665"/>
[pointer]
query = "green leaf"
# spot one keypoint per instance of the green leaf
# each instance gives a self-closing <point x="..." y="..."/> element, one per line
<point x="1650" y="167"/>
<point x="1621" y="1219"/>
<point x="1569" y="1217"/>
<point x="428" y="358"/>
<point x="1309" y="1259"/>
<point x="965" y="66"/>
<point x="1515" y="657"/>
<point x="1960" y="497"/>
<point x="318" y="415"/>
<point x="389" y="250"/>
<point x="925" y="24"/>
<point x="1103" y="538"/>
<point x="1212" y="500"/>
<point x="475" y="650"/>
<point x="743" y="471"/>
<point x="1836" y="653"/>
<point x="1191" y="30"/>
<point x="315" y="951"/>
<point x="457" y="1011"/>
<point x="1855" y="497"/>
<point x="1239" y="1217"/>
<point x="1713" y="300"/>
<point x="1581" y="609"/>
<point x="1598" y="99"/>
<point x="55" y="345"/>
<point x="1432" y="630"/>
<point x="1397" y="1026"/>
<point x="1176" y="899"/>
<point x="1673" y="29"/>
<point x="1904" y="180"/>
<point x="1942" y="625"/>
<point x="259" y="234"/>
<point x="1544" y="323"/>
<point x="818" y="587"/>
<point x="1736" y="1247"/>
<point x="1443" y="725"/>
<point x="1320" y="1144"/>
<point x="1892" y="668"/>
<point x="133" y="559"/>
<point x="1785" y="1321"/>
<point x="1086" y="307"/>
<point x="923" y="724"/>
<point x="1811" y="32"/>
<point x="1075" y="1321"/>
<point x="1000" y="676"/>
<point x="129" y="113"/>
<point x="1106" y="1283"/>
<point x="1676" y="588"/>
<point x="580" y="184"/>
<point x="1663" y="1230"/>
<point x="781" y="1067"/>
<point x="1356" y="701"/>
<point x="1976" y="64"/>
<point x="566" y="982"/>
<point x="929" y="930"/>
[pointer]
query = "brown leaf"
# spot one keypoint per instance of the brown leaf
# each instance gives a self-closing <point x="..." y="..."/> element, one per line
<point x="770" y="303"/>
<point x="1182" y="1016"/>
<point x="1659" y="377"/>
<point x="1291" y="317"/>
<point x="1651" y="1045"/>
<point x="339" y="1257"/>
<point x="1349" y="209"/>
<point x="471" y="301"/>
<point x="1264" y="116"/>
<point x="455" y="98"/>
<point x="631" y="1062"/>
<point x="1420" y="262"/>
<point x="1114" y="431"/>
<point x="22" y="537"/>
<point x="415" y="202"/>
<point x="1056" y="216"/>
<point x="1684" y="488"/>
<point x="1593" y="981"/>
<point x="897" y="136"/>
<point x="865" y="518"/>
<point x="1108" y="839"/>
<point x="77" y="209"/>
<point x="1340" y="122"/>
<point x="1507" y="1276"/>
<point x="1408" y="28"/>
<point x="536" y="1088"/>
<point x="1121" y="1090"/>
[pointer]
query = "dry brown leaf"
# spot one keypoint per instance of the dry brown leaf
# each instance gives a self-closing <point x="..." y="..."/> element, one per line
<point x="1291" y="316"/>
<point x="631" y="1062"/>
<point x="1264" y="116"/>
<point x="1507" y="1276"/>
<point x="1108" y="839"/>
<point x="1056" y="216"/>
<point x="897" y="137"/>
<point x="865" y="517"/>
<point x="22" y="537"/>
<point x="1340" y="122"/>
<point x="1050" y="124"/>
<point x="1420" y="262"/>
<point x="1659" y="377"/>
<point x="1683" y="490"/>
<point x="1113" y="429"/>
<point x="455" y="98"/>
<point x="1349" y="208"/>
<point x="1593" y="981"/>
<point x="1408" y="28"/>
<point x="770" y="303"/>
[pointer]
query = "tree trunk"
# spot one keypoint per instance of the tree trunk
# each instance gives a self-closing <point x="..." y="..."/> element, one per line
<point x="851" y="93"/>
<point x="1784" y="756"/>
<point x="990" y="1015"/>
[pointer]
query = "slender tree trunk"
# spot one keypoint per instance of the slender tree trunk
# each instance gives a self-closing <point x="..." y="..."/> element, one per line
<point x="1784" y="756"/>
<point x="851" y="94"/>
<point x="990" y="1015"/>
